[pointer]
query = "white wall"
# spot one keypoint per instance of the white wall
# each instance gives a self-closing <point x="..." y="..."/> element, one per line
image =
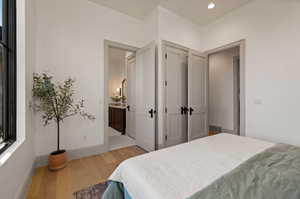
<point x="16" y="170"/>
<point x="150" y="29"/>
<point x="117" y="69"/>
<point x="174" y="28"/>
<point x="70" y="42"/>
<point x="221" y="89"/>
<point x="271" y="29"/>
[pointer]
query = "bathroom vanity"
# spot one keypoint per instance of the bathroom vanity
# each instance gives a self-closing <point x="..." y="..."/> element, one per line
<point x="117" y="118"/>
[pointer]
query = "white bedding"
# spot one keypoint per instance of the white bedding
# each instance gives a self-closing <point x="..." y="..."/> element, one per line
<point x="179" y="172"/>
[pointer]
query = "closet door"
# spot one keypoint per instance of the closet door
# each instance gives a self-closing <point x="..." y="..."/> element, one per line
<point x="197" y="95"/>
<point x="176" y="96"/>
<point x="131" y="107"/>
<point x="145" y="97"/>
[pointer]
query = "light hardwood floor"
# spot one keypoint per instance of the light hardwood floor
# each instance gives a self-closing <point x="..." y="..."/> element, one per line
<point x="79" y="174"/>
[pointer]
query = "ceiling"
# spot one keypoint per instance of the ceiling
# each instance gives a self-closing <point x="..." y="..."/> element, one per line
<point x="134" y="8"/>
<point x="195" y="10"/>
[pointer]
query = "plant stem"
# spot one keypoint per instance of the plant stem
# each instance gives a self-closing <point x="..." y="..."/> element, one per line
<point x="58" y="134"/>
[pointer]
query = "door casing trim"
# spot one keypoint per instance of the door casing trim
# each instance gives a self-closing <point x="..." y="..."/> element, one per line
<point x="242" y="45"/>
<point x="110" y="44"/>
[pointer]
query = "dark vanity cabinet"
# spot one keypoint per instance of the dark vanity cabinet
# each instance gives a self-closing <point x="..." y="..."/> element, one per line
<point x="117" y="119"/>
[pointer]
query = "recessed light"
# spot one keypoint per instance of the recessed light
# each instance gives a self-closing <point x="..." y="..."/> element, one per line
<point x="211" y="5"/>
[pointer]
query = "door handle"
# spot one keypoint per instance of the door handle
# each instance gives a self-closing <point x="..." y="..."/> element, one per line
<point x="128" y="108"/>
<point x="186" y="110"/>
<point x="191" y="111"/>
<point x="152" y="112"/>
<point x="182" y="110"/>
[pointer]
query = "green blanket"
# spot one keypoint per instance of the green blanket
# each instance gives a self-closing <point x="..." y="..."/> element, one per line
<point x="272" y="174"/>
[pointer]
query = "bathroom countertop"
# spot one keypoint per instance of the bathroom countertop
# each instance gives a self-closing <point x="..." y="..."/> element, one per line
<point x="120" y="106"/>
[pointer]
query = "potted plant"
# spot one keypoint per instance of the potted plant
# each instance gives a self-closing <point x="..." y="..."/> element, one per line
<point x="56" y="103"/>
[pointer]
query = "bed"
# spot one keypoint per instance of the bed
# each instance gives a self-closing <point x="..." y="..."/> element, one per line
<point x="201" y="169"/>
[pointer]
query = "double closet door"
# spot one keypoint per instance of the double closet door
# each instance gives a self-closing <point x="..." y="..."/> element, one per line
<point x="185" y="96"/>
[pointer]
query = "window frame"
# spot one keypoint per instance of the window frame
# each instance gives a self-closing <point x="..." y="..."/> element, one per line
<point x="8" y="44"/>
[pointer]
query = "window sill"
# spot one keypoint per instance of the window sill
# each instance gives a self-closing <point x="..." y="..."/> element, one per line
<point x="9" y="151"/>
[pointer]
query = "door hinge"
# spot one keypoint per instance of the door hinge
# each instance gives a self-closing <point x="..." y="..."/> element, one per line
<point x="166" y="56"/>
<point x="166" y="110"/>
<point x="166" y="137"/>
<point x="166" y="83"/>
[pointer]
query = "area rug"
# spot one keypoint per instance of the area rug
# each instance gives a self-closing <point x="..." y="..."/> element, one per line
<point x="93" y="192"/>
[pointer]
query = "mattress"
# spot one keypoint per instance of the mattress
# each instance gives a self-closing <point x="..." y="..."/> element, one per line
<point x="180" y="171"/>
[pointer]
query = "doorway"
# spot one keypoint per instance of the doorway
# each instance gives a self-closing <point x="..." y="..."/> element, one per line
<point x="226" y="91"/>
<point x="130" y="96"/>
<point x="121" y="105"/>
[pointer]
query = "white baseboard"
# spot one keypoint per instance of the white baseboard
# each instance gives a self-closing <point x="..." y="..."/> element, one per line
<point x="228" y="131"/>
<point x="73" y="154"/>
<point x="161" y="146"/>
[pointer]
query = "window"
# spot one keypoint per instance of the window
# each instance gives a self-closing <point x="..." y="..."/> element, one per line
<point x="7" y="73"/>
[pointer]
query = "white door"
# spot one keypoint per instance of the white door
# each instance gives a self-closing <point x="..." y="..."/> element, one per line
<point x="197" y="95"/>
<point x="131" y="107"/>
<point x="176" y="96"/>
<point x="145" y="97"/>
